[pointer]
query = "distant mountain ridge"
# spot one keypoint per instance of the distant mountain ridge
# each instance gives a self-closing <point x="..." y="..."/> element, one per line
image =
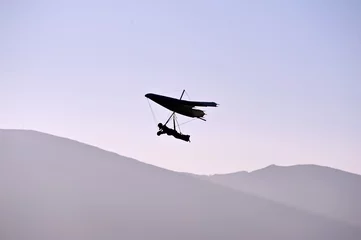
<point x="56" y="188"/>
<point x="332" y="192"/>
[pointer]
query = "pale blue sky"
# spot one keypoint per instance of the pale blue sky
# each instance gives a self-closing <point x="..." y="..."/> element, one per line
<point x="287" y="76"/>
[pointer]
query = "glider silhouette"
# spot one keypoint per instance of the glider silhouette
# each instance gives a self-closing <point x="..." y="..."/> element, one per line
<point x="182" y="107"/>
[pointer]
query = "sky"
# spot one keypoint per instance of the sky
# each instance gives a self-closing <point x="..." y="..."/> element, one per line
<point x="286" y="75"/>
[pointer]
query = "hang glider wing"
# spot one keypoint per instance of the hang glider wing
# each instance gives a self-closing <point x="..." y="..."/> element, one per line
<point x="180" y="106"/>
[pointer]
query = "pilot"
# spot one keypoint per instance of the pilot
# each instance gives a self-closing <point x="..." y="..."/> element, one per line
<point x="166" y="130"/>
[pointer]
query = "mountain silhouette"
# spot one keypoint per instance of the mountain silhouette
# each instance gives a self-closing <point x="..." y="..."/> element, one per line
<point x="323" y="190"/>
<point x="57" y="188"/>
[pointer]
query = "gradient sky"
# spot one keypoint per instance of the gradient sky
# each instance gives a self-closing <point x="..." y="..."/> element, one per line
<point x="287" y="76"/>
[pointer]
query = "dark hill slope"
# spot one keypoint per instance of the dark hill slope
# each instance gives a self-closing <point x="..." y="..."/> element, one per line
<point x="56" y="188"/>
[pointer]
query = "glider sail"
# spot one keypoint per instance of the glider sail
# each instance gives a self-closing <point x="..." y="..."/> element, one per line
<point x="180" y="106"/>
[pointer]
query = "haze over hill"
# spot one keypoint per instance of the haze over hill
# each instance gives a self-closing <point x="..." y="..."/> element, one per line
<point x="56" y="188"/>
<point x="318" y="189"/>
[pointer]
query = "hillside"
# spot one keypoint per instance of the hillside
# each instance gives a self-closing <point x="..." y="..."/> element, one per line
<point x="318" y="189"/>
<point x="56" y="188"/>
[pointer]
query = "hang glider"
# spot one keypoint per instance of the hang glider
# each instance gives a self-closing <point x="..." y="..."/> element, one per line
<point x="182" y="107"/>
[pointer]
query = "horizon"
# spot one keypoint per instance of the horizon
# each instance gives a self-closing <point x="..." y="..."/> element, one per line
<point x="200" y="174"/>
<point x="286" y="77"/>
<point x="55" y="186"/>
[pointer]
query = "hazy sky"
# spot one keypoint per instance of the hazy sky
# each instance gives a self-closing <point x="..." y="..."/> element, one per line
<point x="287" y="76"/>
